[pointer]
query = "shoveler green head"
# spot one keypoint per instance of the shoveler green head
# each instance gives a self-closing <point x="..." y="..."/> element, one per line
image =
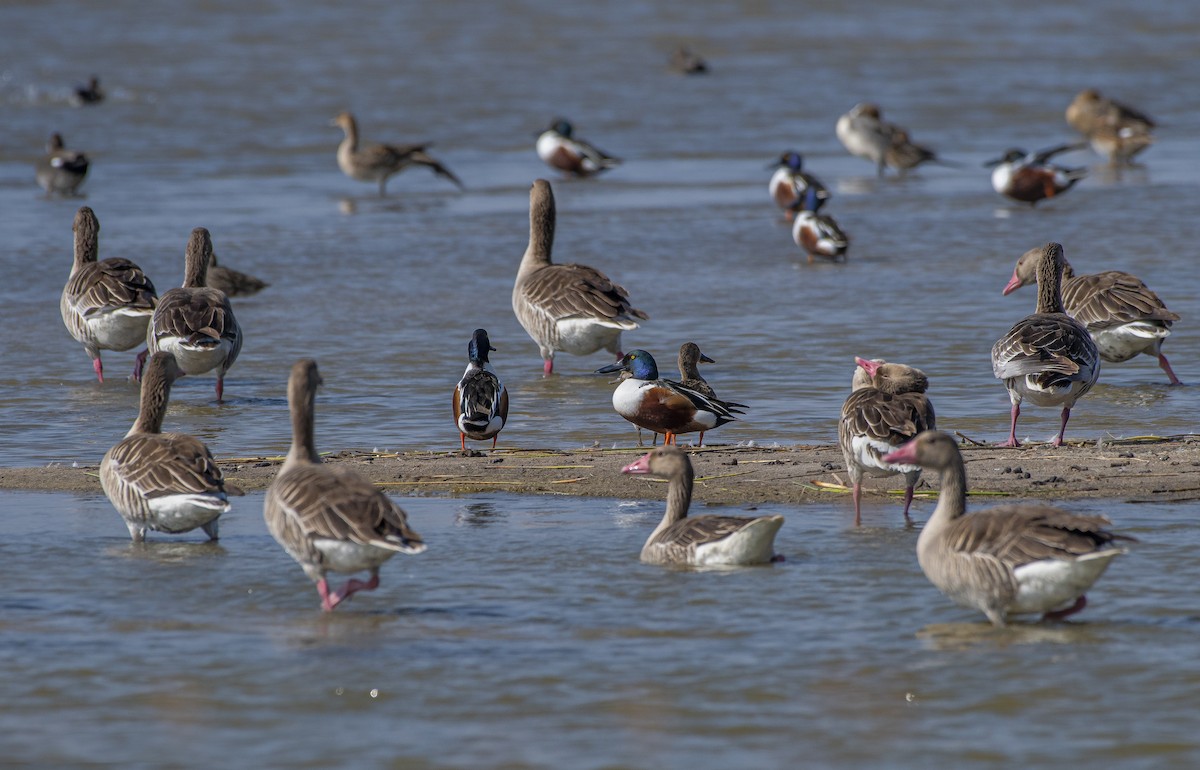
<point x="639" y="363"/>
<point x="792" y="160"/>
<point x="562" y="126"/>
<point x="478" y="347"/>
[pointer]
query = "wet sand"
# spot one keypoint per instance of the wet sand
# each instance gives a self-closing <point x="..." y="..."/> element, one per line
<point x="1132" y="469"/>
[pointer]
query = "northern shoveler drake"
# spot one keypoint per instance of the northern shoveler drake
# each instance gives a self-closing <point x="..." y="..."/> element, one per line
<point x="88" y="94"/>
<point x="480" y="399"/>
<point x="330" y="519"/>
<point x="377" y="162"/>
<point x="1048" y="357"/>
<point x="865" y="134"/>
<point x="687" y="62"/>
<point x="106" y="304"/>
<point x="790" y="183"/>
<point x="1010" y="559"/>
<point x="700" y="541"/>
<point x="818" y="234"/>
<point x="661" y="405"/>
<point x="163" y="482"/>
<point x="60" y="171"/>
<point x="1112" y="128"/>
<point x="886" y="407"/>
<point x="559" y="148"/>
<point x="194" y="322"/>
<point x="1029" y="176"/>
<point x="573" y="308"/>
<point x="1123" y="315"/>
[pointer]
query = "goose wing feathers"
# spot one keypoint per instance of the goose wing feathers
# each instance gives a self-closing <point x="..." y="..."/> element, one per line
<point x="578" y="291"/>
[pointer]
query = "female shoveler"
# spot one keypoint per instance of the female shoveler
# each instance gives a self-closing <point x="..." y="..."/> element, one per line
<point x="790" y="183"/>
<point x="480" y="399"/>
<point x="1121" y="313"/>
<point x="818" y="234"/>
<point x="1112" y="128"/>
<point x="1048" y="357"/>
<point x="661" y="405"/>
<point x="60" y="171"/>
<point x="1029" y="176"/>
<point x="559" y="148"/>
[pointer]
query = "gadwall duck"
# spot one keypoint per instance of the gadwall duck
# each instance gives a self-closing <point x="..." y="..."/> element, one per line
<point x="689" y="362"/>
<point x="106" y="304"/>
<point x="330" y="519"/>
<point x="865" y="134"/>
<point x="233" y="282"/>
<point x="60" y="171"/>
<point x="700" y="541"/>
<point x="572" y="308"/>
<point x="1007" y="560"/>
<point x="1029" y="177"/>
<point x="1048" y="357"/>
<point x="1124" y="317"/>
<point x="1115" y="130"/>
<point x="559" y="148"/>
<point x="818" y="234"/>
<point x="662" y="405"/>
<point x="790" y="183"/>
<point x="480" y="399"/>
<point x="163" y="482"/>
<point x="197" y="323"/>
<point x="377" y="162"/>
<point x="887" y="406"/>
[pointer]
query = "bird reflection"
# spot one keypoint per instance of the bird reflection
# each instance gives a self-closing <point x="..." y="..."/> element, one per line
<point x="478" y="515"/>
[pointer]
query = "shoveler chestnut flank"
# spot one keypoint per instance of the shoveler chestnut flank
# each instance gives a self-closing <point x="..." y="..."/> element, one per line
<point x="559" y="148"/>
<point x="663" y="406"/>
<point x="818" y="234"/>
<point x="790" y="183"/>
<point x="1030" y="177"/>
<point x="480" y="399"/>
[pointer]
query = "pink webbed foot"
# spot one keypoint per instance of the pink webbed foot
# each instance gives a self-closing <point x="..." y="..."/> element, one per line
<point x="139" y="363"/>
<point x="548" y="367"/>
<point x="220" y="388"/>
<point x="331" y="599"/>
<point x="908" y="498"/>
<point x="1079" y="604"/>
<point x="98" y="368"/>
<point x="1166" y="367"/>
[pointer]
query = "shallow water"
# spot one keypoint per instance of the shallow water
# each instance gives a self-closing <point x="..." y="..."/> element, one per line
<point x="529" y="635"/>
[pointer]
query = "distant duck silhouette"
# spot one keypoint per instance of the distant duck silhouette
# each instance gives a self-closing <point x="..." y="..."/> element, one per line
<point x="685" y="61"/>
<point x="88" y="94"/>
<point x="377" y="162"/>
<point x="60" y="171"/>
<point x="559" y="148"/>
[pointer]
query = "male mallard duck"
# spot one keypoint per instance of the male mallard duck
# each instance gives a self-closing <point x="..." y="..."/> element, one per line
<point x="330" y="519"/>
<point x="1112" y="128"/>
<point x="661" y="405"/>
<point x="377" y="162"/>
<point x="573" y="308"/>
<point x="194" y="322"/>
<point x="480" y="399"/>
<point x="60" y="171"/>
<point x="700" y="541"/>
<point x="864" y="133"/>
<point x="818" y="234"/>
<point x="559" y="148"/>
<point x="1007" y="560"/>
<point x="1030" y="177"/>
<point x="886" y="407"/>
<point x="790" y="183"/>
<point x="163" y="482"/>
<point x="1121" y="313"/>
<point x="106" y="304"/>
<point x="1048" y="357"/>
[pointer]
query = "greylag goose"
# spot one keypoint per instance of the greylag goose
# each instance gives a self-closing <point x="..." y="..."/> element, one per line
<point x="106" y="304"/>
<point x="1112" y="128"/>
<point x="700" y="541"/>
<point x="661" y="405"/>
<point x="377" y="162"/>
<point x="233" y="282"/>
<point x="559" y="148"/>
<point x="818" y="234"/>
<point x="480" y="399"/>
<point x="1121" y="313"/>
<point x="194" y="322"/>
<point x="886" y="407"/>
<point x="330" y="519"/>
<point x="1007" y="560"/>
<point x="163" y="482"/>
<point x="865" y="134"/>
<point x="88" y="94"/>
<point x="1029" y="177"/>
<point x="1048" y="357"/>
<point x="572" y="308"/>
<point x="60" y="171"/>
<point x="790" y="183"/>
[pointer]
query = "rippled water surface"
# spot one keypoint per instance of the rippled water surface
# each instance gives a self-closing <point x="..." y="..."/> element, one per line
<point x="529" y="635"/>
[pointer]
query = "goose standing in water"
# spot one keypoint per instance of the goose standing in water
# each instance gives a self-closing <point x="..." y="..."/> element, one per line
<point x="106" y="304"/>
<point x="1124" y="317"/>
<point x="377" y="162"/>
<point x="194" y="322"/>
<point x="559" y="148"/>
<point x="572" y="308"/>
<point x="700" y="541"/>
<point x="1007" y="560"/>
<point x="1048" y="357"/>
<point x="886" y="407"/>
<point x="60" y="171"/>
<point x="163" y="482"/>
<point x="480" y="399"/>
<point x="330" y="519"/>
